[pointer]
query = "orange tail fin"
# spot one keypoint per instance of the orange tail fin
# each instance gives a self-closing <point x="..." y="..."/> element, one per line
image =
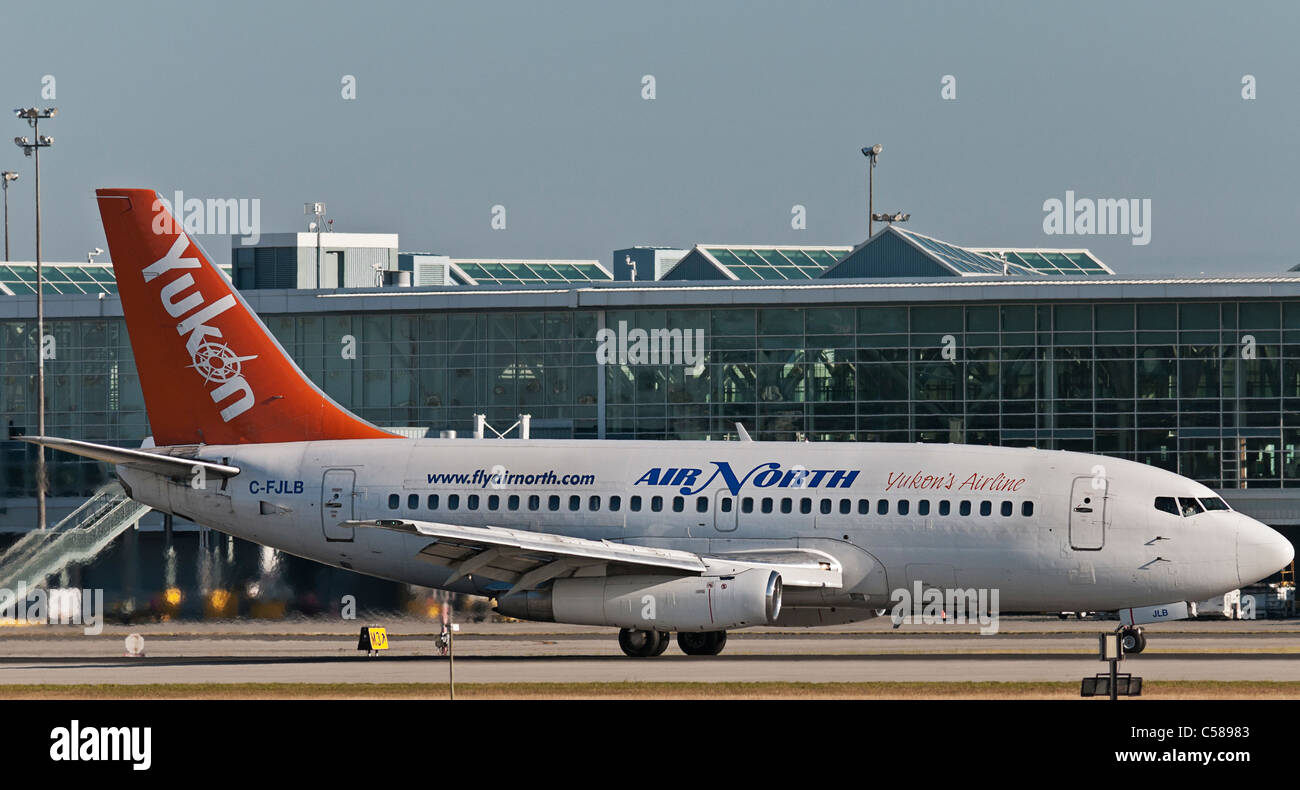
<point x="211" y="371"/>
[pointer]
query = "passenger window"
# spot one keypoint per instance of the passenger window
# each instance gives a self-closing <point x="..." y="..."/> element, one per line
<point x="593" y="503"/>
<point x="986" y="507"/>
<point x="1166" y="504"/>
<point x="634" y="504"/>
<point x="964" y="508"/>
<point x="864" y="507"/>
<point x="846" y="505"/>
<point x="1027" y="508"/>
<point x="471" y="502"/>
<point x="945" y="507"/>
<point x="1189" y="505"/>
<point x="787" y="505"/>
<point x="394" y="501"/>
<point x="494" y="502"/>
<point x="615" y="502"/>
<point x="702" y="504"/>
<point x="825" y="506"/>
<point x="882" y="507"/>
<point x="725" y="504"/>
<point x="453" y="501"/>
<point x="512" y="502"/>
<point x="432" y="501"/>
<point x="553" y="502"/>
<point x="534" y="502"/>
<point x="1006" y="507"/>
<point x="805" y="505"/>
<point x="412" y="501"/>
<point x="679" y="504"/>
<point x="747" y="505"/>
<point x="575" y="502"/>
<point x="1214" y="503"/>
<point x="656" y="503"/>
<point x="767" y="504"/>
<point x="903" y="507"/>
<point x="923" y="507"/>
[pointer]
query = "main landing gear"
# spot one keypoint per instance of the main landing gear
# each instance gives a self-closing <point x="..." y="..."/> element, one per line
<point x="642" y="644"/>
<point x="1132" y="639"/>
<point x="701" y="643"/>
<point x="645" y="644"/>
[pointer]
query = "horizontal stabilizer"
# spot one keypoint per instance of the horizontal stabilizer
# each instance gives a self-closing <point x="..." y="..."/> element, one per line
<point x="144" y="460"/>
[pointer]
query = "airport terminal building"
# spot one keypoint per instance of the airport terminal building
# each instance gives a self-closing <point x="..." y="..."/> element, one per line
<point x="903" y="338"/>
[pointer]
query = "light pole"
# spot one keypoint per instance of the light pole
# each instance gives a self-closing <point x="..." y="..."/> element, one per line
<point x="871" y="153"/>
<point x="8" y="176"/>
<point x="30" y="148"/>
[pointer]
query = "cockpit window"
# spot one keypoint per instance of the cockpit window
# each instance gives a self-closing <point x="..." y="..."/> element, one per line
<point x="1167" y="504"/>
<point x="1214" y="503"/>
<point x="1190" y="506"/>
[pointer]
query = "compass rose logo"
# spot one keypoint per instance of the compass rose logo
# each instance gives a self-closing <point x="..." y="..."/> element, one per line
<point x="215" y="362"/>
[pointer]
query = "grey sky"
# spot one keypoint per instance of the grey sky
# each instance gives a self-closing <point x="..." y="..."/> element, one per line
<point x="760" y="106"/>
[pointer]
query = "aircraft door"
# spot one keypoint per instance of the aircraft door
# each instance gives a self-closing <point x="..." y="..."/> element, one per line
<point x="724" y="511"/>
<point x="1088" y="513"/>
<point x="337" y="503"/>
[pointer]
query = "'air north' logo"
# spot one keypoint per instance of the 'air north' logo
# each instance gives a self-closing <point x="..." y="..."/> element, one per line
<point x="214" y="360"/>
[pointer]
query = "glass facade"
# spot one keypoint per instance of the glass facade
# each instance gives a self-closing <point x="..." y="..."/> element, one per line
<point x="1209" y="389"/>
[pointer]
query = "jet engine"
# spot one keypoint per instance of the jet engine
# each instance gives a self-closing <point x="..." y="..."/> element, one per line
<point x="658" y="603"/>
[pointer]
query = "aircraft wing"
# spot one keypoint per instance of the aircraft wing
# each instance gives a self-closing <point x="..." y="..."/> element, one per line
<point x="525" y="559"/>
<point x="148" y="460"/>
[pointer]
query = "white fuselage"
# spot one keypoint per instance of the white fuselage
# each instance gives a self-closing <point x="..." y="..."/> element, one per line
<point x="1050" y="530"/>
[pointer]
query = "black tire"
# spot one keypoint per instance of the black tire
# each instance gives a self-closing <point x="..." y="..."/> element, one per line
<point x="693" y="643"/>
<point x="719" y="641"/>
<point x="1133" y="640"/>
<point x="641" y="644"/>
<point x="1142" y="642"/>
<point x="663" y="638"/>
<point x="701" y="643"/>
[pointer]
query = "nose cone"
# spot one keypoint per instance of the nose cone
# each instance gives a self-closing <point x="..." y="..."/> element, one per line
<point x="1261" y="552"/>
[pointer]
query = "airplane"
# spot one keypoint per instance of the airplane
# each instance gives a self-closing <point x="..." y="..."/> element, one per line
<point x="650" y="537"/>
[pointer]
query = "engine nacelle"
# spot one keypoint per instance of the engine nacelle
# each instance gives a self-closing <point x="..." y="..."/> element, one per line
<point x="659" y="603"/>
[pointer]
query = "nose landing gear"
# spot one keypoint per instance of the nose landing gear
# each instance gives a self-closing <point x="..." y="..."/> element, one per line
<point x="1132" y="639"/>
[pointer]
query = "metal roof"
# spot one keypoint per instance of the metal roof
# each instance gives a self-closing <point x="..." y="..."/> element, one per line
<point x="646" y="294"/>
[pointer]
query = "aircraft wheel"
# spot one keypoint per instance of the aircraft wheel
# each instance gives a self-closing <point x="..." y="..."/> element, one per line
<point x="642" y="644"/>
<point x="663" y="641"/>
<point x="701" y="643"/>
<point x="719" y="642"/>
<point x="1133" y="639"/>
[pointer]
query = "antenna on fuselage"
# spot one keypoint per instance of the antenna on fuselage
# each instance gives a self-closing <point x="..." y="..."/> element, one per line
<point x="744" y="434"/>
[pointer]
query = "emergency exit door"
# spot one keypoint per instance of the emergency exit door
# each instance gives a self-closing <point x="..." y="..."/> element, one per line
<point x="1088" y="513"/>
<point x="724" y="511"/>
<point x="337" y="491"/>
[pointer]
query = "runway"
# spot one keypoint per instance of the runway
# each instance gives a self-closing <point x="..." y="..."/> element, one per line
<point x="314" y="651"/>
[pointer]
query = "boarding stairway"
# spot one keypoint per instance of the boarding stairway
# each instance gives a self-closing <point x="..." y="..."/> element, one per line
<point x="77" y="538"/>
